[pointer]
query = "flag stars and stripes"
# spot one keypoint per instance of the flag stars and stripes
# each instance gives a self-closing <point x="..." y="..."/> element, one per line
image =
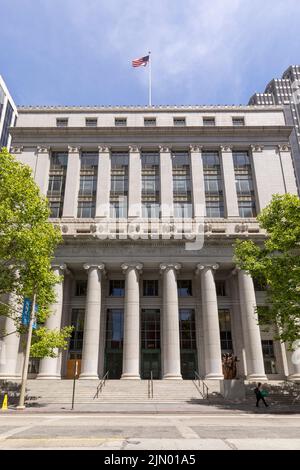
<point x="142" y="61"/>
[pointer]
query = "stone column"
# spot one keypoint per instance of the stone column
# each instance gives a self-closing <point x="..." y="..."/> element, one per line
<point x="103" y="182"/>
<point x="287" y="168"/>
<point x="171" y="349"/>
<point x="231" y="204"/>
<point x="211" y="328"/>
<point x="251" y="331"/>
<point x="294" y="362"/>
<point x="134" y="182"/>
<point x="91" y="334"/>
<point x="42" y="168"/>
<point x="131" y="345"/>
<point x="166" y="182"/>
<point x="72" y="183"/>
<point x="9" y="345"/>
<point x="197" y="181"/>
<point x="50" y="366"/>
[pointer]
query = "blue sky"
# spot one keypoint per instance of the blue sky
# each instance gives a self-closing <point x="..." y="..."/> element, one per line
<point x="79" y="52"/>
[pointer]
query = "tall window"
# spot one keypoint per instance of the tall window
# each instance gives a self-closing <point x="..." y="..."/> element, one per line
<point x="244" y="184"/>
<point x="119" y="184"/>
<point x="187" y="328"/>
<point x="225" y="330"/>
<point x="182" y="196"/>
<point x="114" y="329"/>
<point x="88" y="185"/>
<point x="57" y="180"/>
<point x="269" y="356"/>
<point x="150" y="329"/>
<point x="76" y="341"/>
<point x="214" y="199"/>
<point x="150" y="185"/>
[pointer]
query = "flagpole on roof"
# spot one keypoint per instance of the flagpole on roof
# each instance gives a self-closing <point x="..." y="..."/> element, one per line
<point x="150" y="79"/>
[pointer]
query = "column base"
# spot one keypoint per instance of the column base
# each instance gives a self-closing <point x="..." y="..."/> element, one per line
<point x="48" y="377"/>
<point x="130" y="377"/>
<point x="10" y="377"/>
<point x="294" y="378"/>
<point x="256" y="377"/>
<point x="88" y="377"/>
<point x="172" y="377"/>
<point x="212" y="376"/>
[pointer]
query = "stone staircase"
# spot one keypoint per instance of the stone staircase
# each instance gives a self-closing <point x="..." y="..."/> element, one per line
<point x="42" y="392"/>
<point x="279" y="392"/>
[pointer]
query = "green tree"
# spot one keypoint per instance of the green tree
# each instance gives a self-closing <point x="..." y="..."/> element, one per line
<point x="27" y="244"/>
<point x="276" y="264"/>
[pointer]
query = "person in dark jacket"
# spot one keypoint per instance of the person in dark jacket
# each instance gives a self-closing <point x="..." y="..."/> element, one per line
<point x="259" y="395"/>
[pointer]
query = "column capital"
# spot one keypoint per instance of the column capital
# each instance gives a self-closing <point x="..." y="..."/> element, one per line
<point x="202" y="267"/>
<point x="127" y="266"/>
<point x="283" y="148"/>
<point x="42" y="149"/>
<point x="257" y="148"/>
<point x="134" y="149"/>
<point x="164" y="148"/>
<point x="73" y="149"/>
<point x="17" y="149"/>
<point x="104" y="148"/>
<point x="59" y="267"/>
<point x="196" y="148"/>
<point x="88" y="267"/>
<point x="226" y="148"/>
<point x="164" y="267"/>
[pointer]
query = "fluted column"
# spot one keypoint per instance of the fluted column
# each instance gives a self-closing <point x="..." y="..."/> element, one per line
<point x="41" y="172"/>
<point x="294" y="362"/>
<point x="251" y="331"/>
<point x="72" y="183"/>
<point x="91" y="334"/>
<point x="171" y="347"/>
<point x="9" y="345"/>
<point x="211" y="328"/>
<point x="50" y="366"/>
<point x="131" y="343"/>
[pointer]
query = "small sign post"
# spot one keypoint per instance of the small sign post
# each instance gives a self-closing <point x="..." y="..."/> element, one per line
<point x="74" y="382"/>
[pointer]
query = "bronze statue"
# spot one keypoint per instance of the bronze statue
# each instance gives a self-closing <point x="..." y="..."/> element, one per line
<point x="229" y="365"/>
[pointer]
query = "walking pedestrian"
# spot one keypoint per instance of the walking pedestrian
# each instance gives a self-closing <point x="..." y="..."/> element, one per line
<point x="260" y="395"/>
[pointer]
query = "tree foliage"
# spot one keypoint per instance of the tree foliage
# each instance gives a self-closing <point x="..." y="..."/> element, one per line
<point x="276" y="264"/>
<point x="27" y="244"/>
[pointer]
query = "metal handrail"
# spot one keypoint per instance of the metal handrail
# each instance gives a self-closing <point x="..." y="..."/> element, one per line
<point x="101" y="385"/>
<point x="202" y="387"/>
<point x="150" y="385"/>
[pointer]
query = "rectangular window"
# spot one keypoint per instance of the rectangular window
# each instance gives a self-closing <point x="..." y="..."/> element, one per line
<point x="182" y="194"/>
<point x="114" y="329"/>
<point x="187" y="329"/>
<point x="150" y="329"/>
<point x="244" y="184"/>
<point x="184" y="288"/>
<point x="117" y="288"/>
<point x="150" y="288"/>
<point x="56" y="184"/>
<point x="213" y="184"/>
<point x="61" y="122"/>
<point x="91" y="122"/>
<point x="150" y="185"/>
<point x="87" y="184"/>
<point x="179" y="121"/>
<point x="76" y="341"/>
<point x="238" y="121"/>
<point x="80" y="288"/>
<point x="120" y="122"/>
<point x="149" y="122"/>
<point x="269" y="356"/>
<point x="221" y="288"/>
<point x="225" y="331"/>
<point x="209" y="121"/>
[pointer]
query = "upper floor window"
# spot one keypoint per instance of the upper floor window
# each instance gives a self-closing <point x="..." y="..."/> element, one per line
<point x="91" y="122"/>
<point x="62" y="122"/>
<point x="80" y="288"/>
<point x="184" y="287"/>
<point x="244" y="184"/>
<point x="214" y="200"/>
<point x="150" y="288"/>
<point x="120" y="122"/>
<point x="238" y="121"/>
<point x="209" y="121"/>
<point x="180" y="121"/>
<point x="221" y="288"/>
<point x="117" y="288"/>
<point x="149" y="122"/>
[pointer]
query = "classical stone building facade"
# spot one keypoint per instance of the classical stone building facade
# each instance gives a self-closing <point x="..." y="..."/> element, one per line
<point x="150" y="202"/>
<point x="8" y="114"/>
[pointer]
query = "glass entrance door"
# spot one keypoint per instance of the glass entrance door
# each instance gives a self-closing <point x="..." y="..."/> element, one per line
<point x="150" y="343"/>
<point x="114" y="343"/>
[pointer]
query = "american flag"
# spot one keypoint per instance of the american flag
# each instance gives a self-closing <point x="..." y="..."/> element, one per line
<point x="142" y="61"/>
